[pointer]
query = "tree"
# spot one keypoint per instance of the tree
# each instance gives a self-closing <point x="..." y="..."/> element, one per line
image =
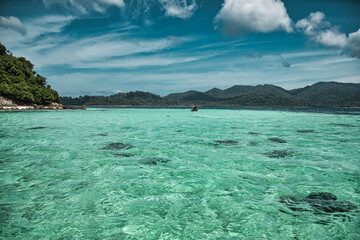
<point x="19" y="82"/>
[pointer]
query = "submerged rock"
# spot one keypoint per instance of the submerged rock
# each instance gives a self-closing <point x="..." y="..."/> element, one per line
<point x="124" y="155"/>
<point x="118" y="145"/>
<point x="306" y="131"/>
<point x="322" y="202"/>
<point x="2" y="135"/>
<point x="102" y="134"/>
<point x="294" y="203"/>
<point x="342" y="124"/>
<point x="154" y="161"/>
<point x="253" y="144"/>
<point x="35" y="128"/>
<point x="227" y="142"/>
<point x="278" y="140"/>
<point x="326" y="202"/>
<point x="321" y="196"/>
<point x="279" y="154"/>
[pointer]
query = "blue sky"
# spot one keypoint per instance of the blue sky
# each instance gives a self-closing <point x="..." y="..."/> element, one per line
<point x="103" y="47"/>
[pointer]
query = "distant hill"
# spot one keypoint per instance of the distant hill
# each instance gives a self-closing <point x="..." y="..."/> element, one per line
<point x="130" y="98"/>
<point x="190" y="96"/>
<point x="239" y="90"/>
<point x="329" y="94"/>
<point x="21" y="84"/>
<point x="322" y="94"/>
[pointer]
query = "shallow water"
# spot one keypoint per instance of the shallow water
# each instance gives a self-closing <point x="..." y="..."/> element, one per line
<point x="177" y="174"/>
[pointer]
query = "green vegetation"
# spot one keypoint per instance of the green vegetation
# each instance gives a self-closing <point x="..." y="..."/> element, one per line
<point x="322" y="94"/>
<point x="20" y="83"/>
<point x="136" y="98"/>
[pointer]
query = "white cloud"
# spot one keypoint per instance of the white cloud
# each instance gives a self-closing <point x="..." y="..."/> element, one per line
<point x="243" y="16"/>
<point x="98" y="8"/>
<point x="47" y="24"/>
<point x="210" y="72"/>
<point x="113" y="50"/>
<point x="331" y="38"/>
<point x="118" y="45"/>
<point x="321" y="31"/>
<point x="134" y="62"/>
<point x="118" y="3"/>
<point x="12" y="23"/>
<point x="85" y="7"/>
<point x="353" y="46"/>
<point x="178" y="8"/>
<point x="41" y="26"/>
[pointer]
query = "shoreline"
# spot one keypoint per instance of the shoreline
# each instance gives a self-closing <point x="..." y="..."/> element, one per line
<point x="8" y="105"/>
<point x="217" y="107"/>
<point x="56" y="106"/>
<point x="39" y="107"/>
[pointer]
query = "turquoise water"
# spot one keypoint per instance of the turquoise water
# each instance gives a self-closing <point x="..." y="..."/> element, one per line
<point x="177" y="174"/>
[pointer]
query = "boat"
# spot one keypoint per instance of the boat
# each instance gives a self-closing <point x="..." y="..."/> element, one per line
<point x="194" y="108"/>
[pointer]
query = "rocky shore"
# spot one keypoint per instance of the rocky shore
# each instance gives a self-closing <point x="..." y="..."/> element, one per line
<point x="8" y="104"/>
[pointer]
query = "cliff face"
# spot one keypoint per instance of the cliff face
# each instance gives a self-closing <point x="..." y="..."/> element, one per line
<point x="8" y="104"/>
<point x="5" y="102"/>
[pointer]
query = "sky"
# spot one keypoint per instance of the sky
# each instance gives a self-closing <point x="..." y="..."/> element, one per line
<point x="103" y="47"/>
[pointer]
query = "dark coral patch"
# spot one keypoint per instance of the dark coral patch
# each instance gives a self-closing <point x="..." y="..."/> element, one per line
<point x="306" y="131"/>
<point x="124" y="155"/>
<point x="102" y="134"/>
<point x="342" y="124"/>
<point x="154" y="161"/>
<point x="320" y="203"/>
<point x="118" y="145"/>
<point x="35" y="128"/>
<point x="279" y="154"/>
<point x="278" y="140"/>
<point x="253" y="144"/>
<point x="321" y="196"/>
<point x="294" y="203"/>
<point x="326" y="202"/>
<point x="227" y="142"/>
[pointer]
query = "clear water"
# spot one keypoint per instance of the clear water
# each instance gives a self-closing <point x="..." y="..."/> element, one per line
<point x="160" y="174"/>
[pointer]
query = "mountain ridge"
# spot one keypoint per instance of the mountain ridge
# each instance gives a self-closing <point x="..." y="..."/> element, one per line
<point x="320" y="94"/>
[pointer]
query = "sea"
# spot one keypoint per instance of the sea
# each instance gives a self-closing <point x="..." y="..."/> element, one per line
<point x="169" y="173"/>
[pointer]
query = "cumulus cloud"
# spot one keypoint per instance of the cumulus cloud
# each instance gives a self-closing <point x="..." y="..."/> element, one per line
<point x="178" y="8"/>
<point x="352" y="48"/>
<point x="85" y="7"/>
<point x="331" y="38"/>
<point x="12" y="23"/>
<point x="319" y="30"/>
<point x="243" y="16"/>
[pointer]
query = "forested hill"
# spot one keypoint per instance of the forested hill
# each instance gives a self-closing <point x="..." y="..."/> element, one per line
<point x="321" y="94"/>
<point x="20" y="83"/>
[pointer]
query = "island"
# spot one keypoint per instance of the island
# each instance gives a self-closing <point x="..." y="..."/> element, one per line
<point x="318" y="95"/>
